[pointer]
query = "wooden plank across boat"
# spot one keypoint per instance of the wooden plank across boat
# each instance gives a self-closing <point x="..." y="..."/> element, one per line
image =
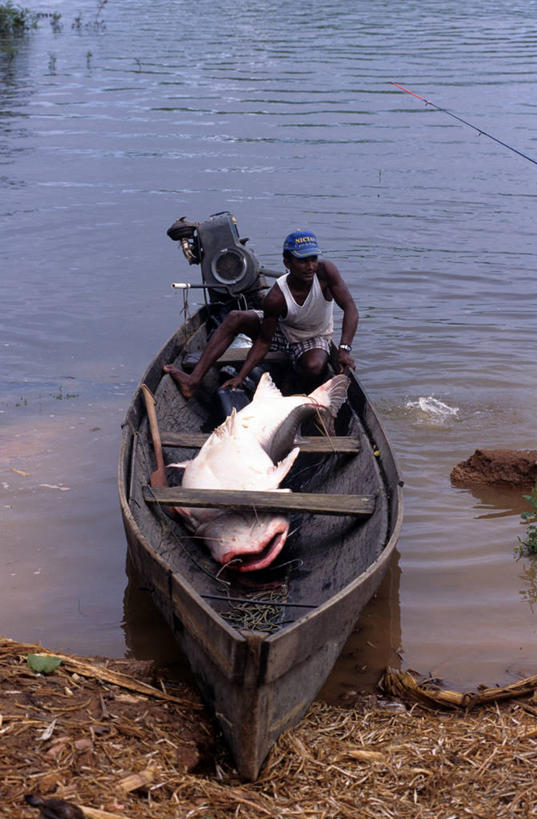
<point x="260" y="644"/>
<point x="315" y="502"/>
<point x="322" y="443"/>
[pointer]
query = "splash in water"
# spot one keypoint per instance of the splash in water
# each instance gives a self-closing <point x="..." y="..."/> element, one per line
<point x="433" y="410"/>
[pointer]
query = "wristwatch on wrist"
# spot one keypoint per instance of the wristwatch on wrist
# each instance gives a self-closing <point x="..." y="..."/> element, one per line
<point x="346" y="347"/>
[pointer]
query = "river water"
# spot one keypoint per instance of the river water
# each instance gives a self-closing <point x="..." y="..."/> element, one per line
<point x="131" y="114"/>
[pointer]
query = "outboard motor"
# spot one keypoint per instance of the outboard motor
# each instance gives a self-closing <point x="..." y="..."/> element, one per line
<point x="228" y="267"/>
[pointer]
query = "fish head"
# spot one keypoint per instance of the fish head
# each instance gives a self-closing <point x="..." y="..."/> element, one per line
<point x="245" y="542"/>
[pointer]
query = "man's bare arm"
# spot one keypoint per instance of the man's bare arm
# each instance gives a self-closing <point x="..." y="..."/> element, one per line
<point x="344" y="300"/>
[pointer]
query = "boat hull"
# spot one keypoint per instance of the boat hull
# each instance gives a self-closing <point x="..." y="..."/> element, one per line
<point x="259" y="683"/>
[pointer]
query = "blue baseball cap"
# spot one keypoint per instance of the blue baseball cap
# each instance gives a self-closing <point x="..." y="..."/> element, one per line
<point x="302" y="243"/>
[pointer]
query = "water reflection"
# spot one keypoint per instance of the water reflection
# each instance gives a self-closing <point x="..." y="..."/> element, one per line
<point x="15" y="93"/>
<point x="506" y="501"/>
<point x="374" y="644"/>
<point x="147" y="634"/>
<point x="529" y="578"/>
<point x="463" y="563"/>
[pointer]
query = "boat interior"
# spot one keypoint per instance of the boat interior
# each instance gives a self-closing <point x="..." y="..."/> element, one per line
<point x="324" y="552"/>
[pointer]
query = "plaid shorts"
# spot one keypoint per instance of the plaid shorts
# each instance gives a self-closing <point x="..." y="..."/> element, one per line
<point x="295" y="349"/>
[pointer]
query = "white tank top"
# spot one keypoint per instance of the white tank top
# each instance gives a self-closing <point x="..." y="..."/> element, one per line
<point x="313" y="318"/>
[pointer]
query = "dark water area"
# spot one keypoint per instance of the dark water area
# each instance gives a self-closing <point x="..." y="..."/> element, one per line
<point x="135" y="113"/>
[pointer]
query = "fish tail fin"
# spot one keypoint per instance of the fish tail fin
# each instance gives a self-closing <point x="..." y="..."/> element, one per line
<point x="332" y="394"/>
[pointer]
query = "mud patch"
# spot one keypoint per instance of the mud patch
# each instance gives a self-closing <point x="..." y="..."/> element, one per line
<point x="497" y="467"/>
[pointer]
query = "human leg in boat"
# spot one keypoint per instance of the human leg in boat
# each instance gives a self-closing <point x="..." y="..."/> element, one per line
<point x="311" y="367"/>
<point x="237" y="321"/>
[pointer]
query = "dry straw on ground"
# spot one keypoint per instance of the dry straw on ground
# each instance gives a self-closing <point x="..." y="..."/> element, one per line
<point x="103" y="741"/>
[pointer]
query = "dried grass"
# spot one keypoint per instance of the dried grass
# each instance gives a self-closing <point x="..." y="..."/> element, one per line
<point x="406" y="685"/>
<point x="135" y="755"/>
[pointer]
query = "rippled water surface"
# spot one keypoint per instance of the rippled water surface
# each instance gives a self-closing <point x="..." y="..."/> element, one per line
<point x="136" y="113"/>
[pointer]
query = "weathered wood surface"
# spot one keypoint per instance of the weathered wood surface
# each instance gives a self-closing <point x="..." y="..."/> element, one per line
<point x="234" y="355"/>
<point x="320" y="444"/>
<point x="318" y="503"/>
<point x="260" y="683"/>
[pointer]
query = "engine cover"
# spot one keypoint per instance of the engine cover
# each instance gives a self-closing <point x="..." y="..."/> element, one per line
<point x="227" y="266"/>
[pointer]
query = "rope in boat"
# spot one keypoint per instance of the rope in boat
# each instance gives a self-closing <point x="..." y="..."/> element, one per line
<point x="262" y="611"/>
<point x="249" y="616"/>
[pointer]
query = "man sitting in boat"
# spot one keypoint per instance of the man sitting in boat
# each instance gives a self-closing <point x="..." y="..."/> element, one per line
<point x="297" y="318"/>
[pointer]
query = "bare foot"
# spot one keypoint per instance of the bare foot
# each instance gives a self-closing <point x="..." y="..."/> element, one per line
<point x="187" y="385"/>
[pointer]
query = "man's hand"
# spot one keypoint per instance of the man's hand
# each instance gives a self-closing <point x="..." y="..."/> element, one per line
<point x="345" y="360"/>
<point x="232" y="382"/>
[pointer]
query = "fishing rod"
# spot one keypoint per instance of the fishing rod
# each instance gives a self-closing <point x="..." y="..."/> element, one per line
<point x="460" y="119"/>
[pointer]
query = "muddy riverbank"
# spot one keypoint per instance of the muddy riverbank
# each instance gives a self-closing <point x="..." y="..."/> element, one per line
<point x="122" y="738"/>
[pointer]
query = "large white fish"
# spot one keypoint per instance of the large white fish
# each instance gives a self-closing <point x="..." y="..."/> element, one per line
<point x="253" y="450"/>
<point x="245" y="541"/>
<point x="274" y="418"/>
<point x="233" y="458"/>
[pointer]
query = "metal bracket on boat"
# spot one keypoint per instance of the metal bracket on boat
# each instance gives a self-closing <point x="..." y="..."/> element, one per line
<point x="270" y="274"/>
<point x="238" y="298"/>
<point x="188" y="286"/>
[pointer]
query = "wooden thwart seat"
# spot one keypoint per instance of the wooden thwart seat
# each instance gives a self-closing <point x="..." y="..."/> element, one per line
<point x="318" y="503"/>
<point x="319" y="443"/>
<point x="233" y="355"/>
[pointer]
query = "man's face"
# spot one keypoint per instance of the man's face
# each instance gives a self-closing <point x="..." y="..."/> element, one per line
<point x="303" y="269"/>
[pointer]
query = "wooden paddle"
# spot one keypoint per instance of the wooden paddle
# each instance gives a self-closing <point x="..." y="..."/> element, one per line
<point x="158" y="477"/>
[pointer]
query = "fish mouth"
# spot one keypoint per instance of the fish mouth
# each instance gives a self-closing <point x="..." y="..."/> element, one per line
<point x="253" y="561"/>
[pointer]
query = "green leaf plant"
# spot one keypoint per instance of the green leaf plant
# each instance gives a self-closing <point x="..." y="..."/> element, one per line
<point x="528" y="545"/>
<point x="43" y="663"/>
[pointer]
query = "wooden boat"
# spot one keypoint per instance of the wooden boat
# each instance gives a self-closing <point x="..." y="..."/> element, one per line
<point x="260" y="644"/>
